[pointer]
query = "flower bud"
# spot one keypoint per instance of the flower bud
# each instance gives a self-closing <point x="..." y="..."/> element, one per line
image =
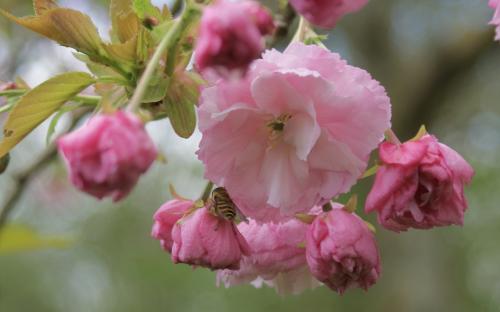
<point x="203" y="239"/>
<point x="419" y="185"/>
<point x="108" y="154"/>
<point x="231" y="36"/>
<point x="341" y="251"/>
<point x="326" y="13"/>
<point x="165" y="219"/>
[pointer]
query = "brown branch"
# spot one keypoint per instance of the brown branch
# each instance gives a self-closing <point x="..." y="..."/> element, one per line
<point x="452" y="64"/>
<point x="22" y="178"/>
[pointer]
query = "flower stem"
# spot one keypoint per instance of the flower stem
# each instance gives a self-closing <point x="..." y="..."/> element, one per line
<point x="170" y="39"/>
<point x="300" y="35"/>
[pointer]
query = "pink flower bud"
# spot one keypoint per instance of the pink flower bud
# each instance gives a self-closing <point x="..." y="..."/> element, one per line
<point x="341" y="251"/>
<point x="231" y="36"/>
<point x="495" y="5"/>
<point x="203" y="239"/>
<point x="261" y="16"/>
<point x="419" y="185"/>
<point x="107" y="155"/>
<point x="326" y="13"/>
<point x="165" y="219"/>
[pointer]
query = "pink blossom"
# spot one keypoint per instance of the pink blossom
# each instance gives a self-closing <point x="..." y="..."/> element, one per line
<point x="165" y="219"/>
<point x="419" y="185"/>
<point x="326" y="13"/>
<point x="108" y="154"/>
<point x="203" y="239"/>
<point x="341" y="251"/>
<point x="278" y="258"/>
<point x="495" y="5"/>
<point x="295" y="132"/>
<point x="231" y="35"/>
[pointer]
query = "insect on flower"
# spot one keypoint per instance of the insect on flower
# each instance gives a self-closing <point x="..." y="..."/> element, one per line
<point x="221" y="205"/>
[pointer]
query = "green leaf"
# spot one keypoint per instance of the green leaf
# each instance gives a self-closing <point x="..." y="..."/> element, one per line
<point x="39" y="104"/>
<point x="315" y="39"/>
<point x="180" y="102"/>
<point x="125" y="22"/>
<point x="96" y="68"/>
<point x="16" y="238"/>
<point x="157" y="89"/>
<point x="68" y="27"/>
<point x="144" y="9"/>
<point x="4" y="163"/>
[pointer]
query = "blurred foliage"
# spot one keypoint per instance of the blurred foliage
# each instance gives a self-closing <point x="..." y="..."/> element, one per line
<point x="439" y="64"/>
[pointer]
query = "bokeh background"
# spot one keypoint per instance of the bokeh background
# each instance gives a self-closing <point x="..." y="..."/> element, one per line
<point x="439" y="64"/>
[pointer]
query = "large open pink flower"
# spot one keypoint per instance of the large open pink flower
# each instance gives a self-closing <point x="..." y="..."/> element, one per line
<point x="296" y="131"/>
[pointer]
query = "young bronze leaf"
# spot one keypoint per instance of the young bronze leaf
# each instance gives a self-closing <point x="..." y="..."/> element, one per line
<point x="125" y="22"/>
<point x="43" y="5"/>
<point x="124" y="52"/>
<point x="68" y="27"/>
<point x="39" y="104"/>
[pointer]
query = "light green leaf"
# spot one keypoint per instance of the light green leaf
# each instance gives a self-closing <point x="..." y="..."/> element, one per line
<point x="157" y="89"/>
<point x="39" y="104"/>
<point x="180" y="102"/>
<point x="144" y="9"/>
<point x="16" y="238"/>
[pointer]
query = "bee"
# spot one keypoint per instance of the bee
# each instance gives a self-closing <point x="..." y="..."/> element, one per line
<point x="223" y="206"/>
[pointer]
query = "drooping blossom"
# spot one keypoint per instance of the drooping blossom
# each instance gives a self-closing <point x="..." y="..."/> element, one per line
<point x="296" y="131"/>
<point x="165" y="219"/>
<point x="231" y="35"/>
<point x="326" y="13"/>
<point x="277" y="260"/>
<point x="420" y="184"/>
<point x="203" y="239"/>
<point x="107" y="155"/>
<point x="341" y="251"/>
<point x="495" y="21"/>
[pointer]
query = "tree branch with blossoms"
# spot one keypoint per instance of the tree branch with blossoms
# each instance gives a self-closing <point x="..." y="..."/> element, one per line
<point x="284" y="133"/>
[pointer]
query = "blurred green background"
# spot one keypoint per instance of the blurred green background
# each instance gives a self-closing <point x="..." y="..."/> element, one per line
<point x="439" y="64"/>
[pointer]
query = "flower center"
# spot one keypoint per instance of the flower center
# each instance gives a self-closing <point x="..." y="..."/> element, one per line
<point x="276" y="127"/>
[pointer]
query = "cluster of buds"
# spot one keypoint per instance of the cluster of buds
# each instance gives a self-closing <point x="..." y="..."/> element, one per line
<point x="283" y="133"/>
<point x="336" y="247"/>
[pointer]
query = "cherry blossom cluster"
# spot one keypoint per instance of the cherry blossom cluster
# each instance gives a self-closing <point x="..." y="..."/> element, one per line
<point x="284" y="133"/>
